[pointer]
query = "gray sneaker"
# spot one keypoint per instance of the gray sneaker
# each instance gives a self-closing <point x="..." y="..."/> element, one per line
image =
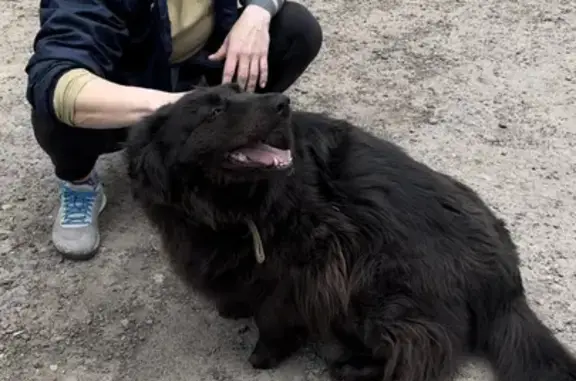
<point x="75" y="232"/>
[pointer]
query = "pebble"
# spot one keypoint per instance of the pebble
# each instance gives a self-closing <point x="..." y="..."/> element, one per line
<point x="158" y="278"/>
<point x="125" y="323"/>
<point x="5" y="247"/>
<point x="53" y="367"/>
<point x="7" y="207"/>
<point x="6" y="282"/>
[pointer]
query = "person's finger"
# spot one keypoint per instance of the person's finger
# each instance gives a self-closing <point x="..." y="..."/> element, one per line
<point x="220" y="54"/>
<point x="254" y="72"/>
<point x="263" y="70"/>
<point x="229" y="66"/>
<point x="243" y="70"/>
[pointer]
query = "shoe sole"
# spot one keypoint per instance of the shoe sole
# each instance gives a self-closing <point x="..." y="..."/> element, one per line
<point x="91" y="253"/>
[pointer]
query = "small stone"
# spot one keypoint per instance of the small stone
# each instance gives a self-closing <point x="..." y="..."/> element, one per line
<point x="53" y="367"/>
<point x="502" y="125"/>
<point x="6" y="282"/>
<point x="158" y="278"/>
<point x="125" y="323"/>
<point x="7" y="207"/>
<point x="5" y="247"/>
<point x="149" y="321"/>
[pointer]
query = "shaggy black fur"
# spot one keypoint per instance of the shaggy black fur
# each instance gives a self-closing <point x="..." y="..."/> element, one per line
<point x="404" y="268"/>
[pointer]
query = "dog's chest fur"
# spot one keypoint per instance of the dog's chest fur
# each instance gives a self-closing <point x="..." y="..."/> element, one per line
<point x="221" y="262"/>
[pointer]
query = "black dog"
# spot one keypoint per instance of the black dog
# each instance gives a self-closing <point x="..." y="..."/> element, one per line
<point x="320" y="230"/>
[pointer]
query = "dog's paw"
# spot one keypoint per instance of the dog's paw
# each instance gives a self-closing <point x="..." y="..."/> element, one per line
<point x="345" y="371"/>
<point x="235" y="311"/>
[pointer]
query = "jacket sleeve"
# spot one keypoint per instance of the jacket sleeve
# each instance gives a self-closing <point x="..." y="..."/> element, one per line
<point x="272" y="6"/>
<point x="73" y="34"/>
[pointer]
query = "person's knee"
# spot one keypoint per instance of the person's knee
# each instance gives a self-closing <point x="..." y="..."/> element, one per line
<point x="304" y="28"/>
<point x="74" y="150"/>
<point x="43" y="131"/>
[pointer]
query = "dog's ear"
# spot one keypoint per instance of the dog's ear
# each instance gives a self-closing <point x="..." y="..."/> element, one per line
<point x="201" y="83"/>
<point x="145" y="130"/>
<point x="149" y="176"/>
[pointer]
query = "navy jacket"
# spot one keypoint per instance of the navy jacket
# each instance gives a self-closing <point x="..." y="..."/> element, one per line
<point x="124" y="41"/>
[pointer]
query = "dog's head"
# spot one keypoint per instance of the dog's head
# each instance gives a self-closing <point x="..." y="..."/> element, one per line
<point x="217" y="133"/>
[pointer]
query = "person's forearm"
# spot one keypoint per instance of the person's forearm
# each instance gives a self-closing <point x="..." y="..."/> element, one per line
<point x="103" y="104"/>
<point x="93" y="102"/>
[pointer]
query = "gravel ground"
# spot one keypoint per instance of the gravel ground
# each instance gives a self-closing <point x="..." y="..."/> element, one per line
<point x="484" y="90"/>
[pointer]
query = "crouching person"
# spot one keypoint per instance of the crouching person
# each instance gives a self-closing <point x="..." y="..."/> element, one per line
<point x="101" y="65"/>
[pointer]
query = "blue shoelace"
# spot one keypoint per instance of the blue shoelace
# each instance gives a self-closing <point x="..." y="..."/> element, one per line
<point x="77" y="206"/>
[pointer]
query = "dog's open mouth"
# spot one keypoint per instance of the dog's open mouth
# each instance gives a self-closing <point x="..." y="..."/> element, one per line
<point x="261" y="155"/>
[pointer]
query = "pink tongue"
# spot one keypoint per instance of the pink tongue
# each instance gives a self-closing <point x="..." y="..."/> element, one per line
<point x="265" y="154"/>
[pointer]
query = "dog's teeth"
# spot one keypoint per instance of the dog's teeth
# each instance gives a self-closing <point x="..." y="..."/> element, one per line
<point x="276" y="162"/>
<point x="239" y="156"/>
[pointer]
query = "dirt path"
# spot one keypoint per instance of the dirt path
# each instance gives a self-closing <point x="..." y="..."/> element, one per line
<point x="485" y="90"/>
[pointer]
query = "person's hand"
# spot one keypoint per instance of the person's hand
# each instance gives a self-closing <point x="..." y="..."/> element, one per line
<point x="246" y="49"/>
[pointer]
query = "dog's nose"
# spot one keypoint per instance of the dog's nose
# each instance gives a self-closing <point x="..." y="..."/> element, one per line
<point x="282" y="104"/>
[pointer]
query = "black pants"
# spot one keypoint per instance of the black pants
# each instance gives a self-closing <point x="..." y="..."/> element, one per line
<point x="295" y="40"/>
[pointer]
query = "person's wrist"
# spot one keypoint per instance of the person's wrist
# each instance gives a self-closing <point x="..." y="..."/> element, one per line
<point x="258" y="14"/>
<point x="162" y="98"/>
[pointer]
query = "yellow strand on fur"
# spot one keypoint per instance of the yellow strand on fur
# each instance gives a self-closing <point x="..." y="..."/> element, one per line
<point x="257" y="240"/>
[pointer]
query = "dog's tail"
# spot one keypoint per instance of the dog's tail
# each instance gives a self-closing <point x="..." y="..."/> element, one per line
<point x="522" y="348"/>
